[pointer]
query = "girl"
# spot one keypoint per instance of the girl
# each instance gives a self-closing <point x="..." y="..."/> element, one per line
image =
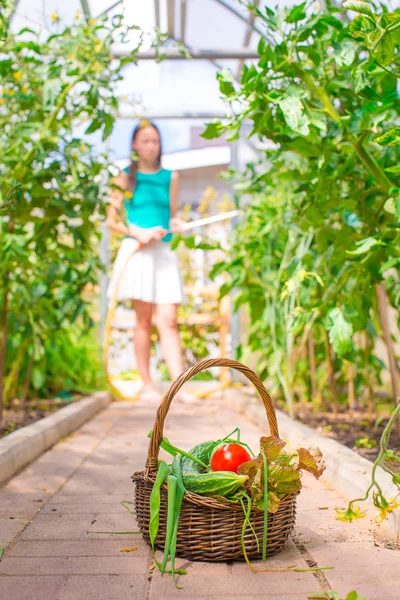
<point x="152" y="276"/>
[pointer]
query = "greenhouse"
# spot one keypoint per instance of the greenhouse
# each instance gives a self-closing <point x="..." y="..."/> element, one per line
<point x="199" y="299"/>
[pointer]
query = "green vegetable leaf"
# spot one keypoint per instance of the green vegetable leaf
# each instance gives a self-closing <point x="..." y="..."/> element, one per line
<point x="283" y="480"/>
<point x="311" y="460"/>
<point x="254" y="484"/>
<point x="271" y="446"/>
<point x="340" y="331"/>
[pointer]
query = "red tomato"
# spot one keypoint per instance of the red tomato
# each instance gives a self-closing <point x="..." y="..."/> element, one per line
<point x="229" y="457"/>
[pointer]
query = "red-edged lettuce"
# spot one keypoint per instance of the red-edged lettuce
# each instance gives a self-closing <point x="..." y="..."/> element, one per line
<point x="284" y="472"/>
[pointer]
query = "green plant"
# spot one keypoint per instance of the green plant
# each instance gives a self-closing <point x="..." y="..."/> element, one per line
<point x="389" y="461"/>
<point x="317" y="251"/>
<point x="366" y="442"/>
<point x="331" y="595"/>
<point x="52" y="191"/>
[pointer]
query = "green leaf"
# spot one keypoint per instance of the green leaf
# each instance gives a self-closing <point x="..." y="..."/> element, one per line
<point x="340" y="331"/>
<point x="384" y="49"/>
<point x="393" y="262"/>
<point x="394" y="170"/>
<point x="360" y="7"/>
<point x="293" y="112"/>
<point x="365" y="245"/>
<point x="297" y="13"/>
<point x="213" y="130"/>
<point x="38" y="378"/>
<point x="390" y="138"/>
<point x="225" y="78"/>
<point x="283" y="480"/>
<point x="271" y="446"/>
<point x="94" y="126"/>
<point x="51" y="90"/>
<point x="346" y="52"/>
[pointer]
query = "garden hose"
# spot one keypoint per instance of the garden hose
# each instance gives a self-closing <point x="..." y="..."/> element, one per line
<point x="107" y="333"/>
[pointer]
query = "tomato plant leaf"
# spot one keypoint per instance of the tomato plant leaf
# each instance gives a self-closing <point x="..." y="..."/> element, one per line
<point x="340" y="331"/>
<point x="390" y="138"/>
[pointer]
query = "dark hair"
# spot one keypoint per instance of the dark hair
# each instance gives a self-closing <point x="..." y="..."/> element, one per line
<point x="133" y="165"/>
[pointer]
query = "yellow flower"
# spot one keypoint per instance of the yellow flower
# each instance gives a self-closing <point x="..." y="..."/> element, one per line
<point x="11" y="92"/>
<point x="1" y="100"/>
<point x="96" y="40"/>
<point x="349" y="515"/>
<point x="24" y="89"/>
<point x="92" y="22"/>
<point x="387" y="506"/>
<point x="54" y="17"/>
<point x="96" y="67"/>
<point x="17" y="75"/>
<point x="82" y="147"/>
<point x="74" y="154"/>
<point x="97" y="48"/>
<point x="128" y="195"/>
<point x="77" y="15"/>
<point x="144" y="123"/>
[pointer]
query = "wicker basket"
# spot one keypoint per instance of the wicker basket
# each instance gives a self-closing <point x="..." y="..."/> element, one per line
<point x="211" y="530"/>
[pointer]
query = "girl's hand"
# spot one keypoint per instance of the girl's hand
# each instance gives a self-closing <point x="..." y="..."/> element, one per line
<point x="176" y="225"/>
<point x="145" y="236"/>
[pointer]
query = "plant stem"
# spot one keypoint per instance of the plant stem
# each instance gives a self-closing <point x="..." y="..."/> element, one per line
<point x="3" y="343"/>
<point x="384" y="319"/>
<point x="332" y="381"/>
<point x="313" y="368"/>
<point x="27" y="381"/>
<point x="368" y="383"/>
<point x="364" y="155"/>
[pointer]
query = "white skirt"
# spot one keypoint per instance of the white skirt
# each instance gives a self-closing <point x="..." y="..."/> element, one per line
<point x="152" y="274"/>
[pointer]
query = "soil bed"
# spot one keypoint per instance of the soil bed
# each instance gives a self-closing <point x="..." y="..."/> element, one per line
<point x="20" y="415"/>
<point x="359" y="430"/>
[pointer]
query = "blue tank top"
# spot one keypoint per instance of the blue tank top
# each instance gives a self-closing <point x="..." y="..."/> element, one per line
<point x="150" y="204"/>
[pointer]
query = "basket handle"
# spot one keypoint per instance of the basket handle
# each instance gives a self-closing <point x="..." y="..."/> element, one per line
<point x="154" y="447"/>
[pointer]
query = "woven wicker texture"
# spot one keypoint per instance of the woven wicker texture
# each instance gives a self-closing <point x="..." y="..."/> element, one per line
<point x="211" y="530"/>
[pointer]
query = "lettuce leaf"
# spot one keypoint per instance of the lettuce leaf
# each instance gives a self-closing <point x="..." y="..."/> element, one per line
<point x="311" y="460"/>
<point x="271" y="446"/>
<point x="284" y="472"/>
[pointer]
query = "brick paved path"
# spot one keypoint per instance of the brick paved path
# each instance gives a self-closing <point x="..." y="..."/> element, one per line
<point x="49" y="511"/>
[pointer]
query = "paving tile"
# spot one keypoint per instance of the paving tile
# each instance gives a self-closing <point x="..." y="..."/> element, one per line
<point x="104" y="587"/>
<point x="58" y="527"/>
<point x="94" y="565"/>
<point x="81" y="483"/>
<point x="95" y="547"/>
<point x="19" y="505"/>
<point x="114" y="523"/>
<point x="373" y="571"/>
<point x="31" y="588"/>
<point x="81" y="508"/>
<point x="10" y="528"/>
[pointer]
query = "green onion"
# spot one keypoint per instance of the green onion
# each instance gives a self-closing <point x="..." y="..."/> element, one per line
<point x="264" y="552"/>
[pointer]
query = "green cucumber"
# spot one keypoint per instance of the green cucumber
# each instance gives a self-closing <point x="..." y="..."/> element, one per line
<point x="202" y="452"/>
<point x="218" y="483"/>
